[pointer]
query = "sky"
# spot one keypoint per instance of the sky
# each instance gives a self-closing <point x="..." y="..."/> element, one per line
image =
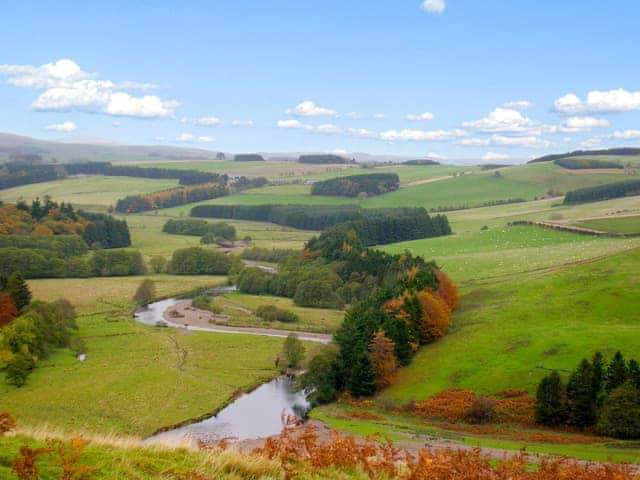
<point x="493" y="80"/>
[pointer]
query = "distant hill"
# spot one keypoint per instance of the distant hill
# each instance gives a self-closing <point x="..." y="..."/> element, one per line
<point x="582" y="153"/>
<point x="12" y="145"/>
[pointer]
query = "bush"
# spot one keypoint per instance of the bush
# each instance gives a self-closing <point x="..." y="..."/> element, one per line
<point x="271" y="313"/>
<point x="482" y="411"/>
<point x="145" y="292"/>
<point x="199" y="261"/>
<point x="620" y="414"/>
<point x="205" y="302"/>
<point x="18" y="369"/>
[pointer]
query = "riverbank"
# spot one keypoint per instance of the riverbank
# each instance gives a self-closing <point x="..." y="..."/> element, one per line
<point x="182" y="314"/>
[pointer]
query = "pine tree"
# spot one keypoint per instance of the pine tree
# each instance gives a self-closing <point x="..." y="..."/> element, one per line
<point x="597" y="362"/>
<point x="19" y="290"/>
<point x="550" y="408"/>
<point x="634" y="374"/>
<point x="362" y="382"/>
<point x="580" y="402"/>
<point x="616" y="373"/>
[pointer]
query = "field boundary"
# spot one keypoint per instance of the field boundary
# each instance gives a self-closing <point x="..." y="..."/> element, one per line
<point x="573" y="229"/>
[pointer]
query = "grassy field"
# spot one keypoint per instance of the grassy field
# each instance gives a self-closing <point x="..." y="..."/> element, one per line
<point x="92" y="294"/>
<point x="136" y="379"/>
<point x="93" y="192"/>
<point x="508" y="335"/>
<point x="479" y="256"/>
<point x="625" y="225"/>
<point x="319" y="320"/>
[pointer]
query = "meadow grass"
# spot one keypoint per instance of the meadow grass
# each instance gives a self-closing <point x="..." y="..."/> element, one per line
<point x="624" y="225"/>
<point x="320" y="320"/>
<point x="510" y="334"/>
<point x="92" y="192"/>
<point x="477" y="256"/>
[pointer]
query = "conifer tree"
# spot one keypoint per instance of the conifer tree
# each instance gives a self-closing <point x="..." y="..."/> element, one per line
<point x="620" y="414"/>
<point x="597" y="362"/>
<point x="362" y="382"/>
<point x="19" y="290"/>
<point x="550" y="407"/>
<point x="634" y="374"/>
<point x="616" y="373"/>
<point x="580" y="401"/>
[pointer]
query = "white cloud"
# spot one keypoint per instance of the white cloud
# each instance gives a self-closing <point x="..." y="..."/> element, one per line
<point x="62" y="127"/>
<point x="362" y="133"/>
<point x="592" y="142"/>
<point x="433" y="6"/>
<point x="617" y="100"/>
<point x="626" y="134"/>
<point x="242" y="123"/>
<point x="208" y="121"/>
<point x="420" y="116"/>
<point x="421" y="135"/>
<point x="506" y="120"/>
<point x="436" y="156"/>
<point x="339" y="151"/>
<point x="505" y="140"/>
<point x="309" y="109"/>
<point x="326" y="128"/>
<point x="67" y="87"/>
<point x="518" y="104"/>
<point x="491" y="156"/>
<point x="186" y="137"/>
<point x="379" y="116"/>
<point x="206" y="139"/>
<point x="576" y="124"/>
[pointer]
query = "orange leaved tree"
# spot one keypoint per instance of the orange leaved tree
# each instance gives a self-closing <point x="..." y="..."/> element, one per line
<point x="447" y="290"/>
<point x="383" y="359"/>
<point x="8" y="310"/>
<point x="435" y="318"/>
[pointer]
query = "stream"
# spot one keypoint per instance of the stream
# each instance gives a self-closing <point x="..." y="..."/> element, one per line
<point x="257" y="414"/>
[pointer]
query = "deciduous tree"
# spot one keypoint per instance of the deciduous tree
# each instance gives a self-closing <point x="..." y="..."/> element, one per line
<point x="383" y="359"/>
<point x="8" y="310"/>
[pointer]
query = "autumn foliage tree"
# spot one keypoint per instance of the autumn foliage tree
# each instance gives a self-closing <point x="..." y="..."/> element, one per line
<point x="435" y="318"/>
<point x="447" y="290"/>
<point x="381" y="353"/>
<point x="8" y="310"/>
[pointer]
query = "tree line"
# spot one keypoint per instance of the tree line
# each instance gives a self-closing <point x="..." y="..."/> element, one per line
<point x="585" y="163"/>
<point x="185" y="177"/>
<point x="597" y="394"/>
<point x="625" y="151"/>
<point x="326" y="158"/>
<point x="351" y="186"/>
<point x="305" y="217"/>
<point x="171" y="197"/>
<point x="248" y="157"/>
<point x="603" y="192"/>
<point x="15" y="174"/>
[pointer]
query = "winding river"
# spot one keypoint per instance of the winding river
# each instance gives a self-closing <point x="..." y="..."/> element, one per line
<point x="257" y="414"/>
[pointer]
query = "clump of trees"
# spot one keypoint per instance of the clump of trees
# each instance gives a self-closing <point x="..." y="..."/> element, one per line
<point x="30" y="336"/>
<point x="210" y="232"/>
<point x="115" y="263"/>
<point x="603" y="192"/>
<point x="422" y="162"/>
<point x="597" y="394"/>
<point x="293" y="351"/>
<point x="271" y="313"/>
<point x="15" y="174"/>
<point x="248" y="157"/>
<point x="351" y="186"/>
<point x="406" y="302"/>
<point x="171" y="197"/>
<point x="273" y="255"/>
<point x="325" y="158"/>
<point x="199" y="261"/>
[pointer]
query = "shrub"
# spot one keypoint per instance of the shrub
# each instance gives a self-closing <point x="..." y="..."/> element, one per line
<point x="18" y="369"/>
<point x="205" y="302"/>
<point x="271" y="313"/>
<point x="620" y="415"/>
<point x="145" y="293"/>
<point x="199" y="261"/>
<point x="483" y="410"/>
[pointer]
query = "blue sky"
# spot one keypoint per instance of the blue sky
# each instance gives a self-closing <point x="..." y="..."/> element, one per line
<point x="457" y="78"/>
